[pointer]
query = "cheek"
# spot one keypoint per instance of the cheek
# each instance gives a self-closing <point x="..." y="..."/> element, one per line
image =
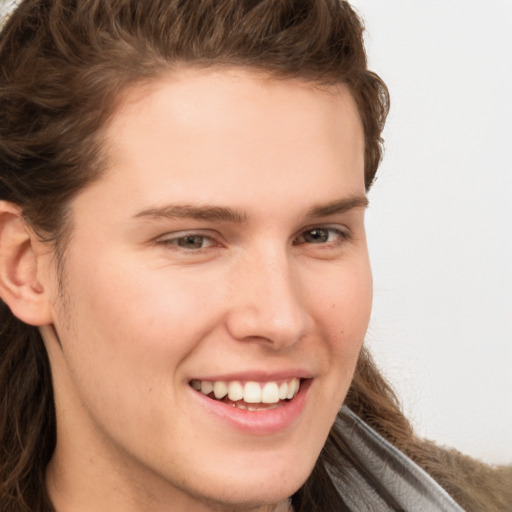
<point x="125" y="334"/>
<point x="346" y="304"/>
<point x="134" y="327"/>
<point x="152" y="306"/>
<point x="345" y="313"/>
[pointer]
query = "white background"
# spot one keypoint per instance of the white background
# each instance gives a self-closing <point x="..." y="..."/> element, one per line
<point x="440" y="218"/>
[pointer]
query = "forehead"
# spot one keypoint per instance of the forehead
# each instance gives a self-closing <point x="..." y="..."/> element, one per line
<point x="200" y="135"/>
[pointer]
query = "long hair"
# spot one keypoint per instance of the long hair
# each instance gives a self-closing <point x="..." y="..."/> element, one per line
<point x="64" y="64"/>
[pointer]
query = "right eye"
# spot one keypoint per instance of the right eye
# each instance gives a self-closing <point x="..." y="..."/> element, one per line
<point x="189" y="241"/>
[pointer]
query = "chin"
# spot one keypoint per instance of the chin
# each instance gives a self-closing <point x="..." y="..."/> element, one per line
<point x="256" y="488"/>
<point x="246" y="498"/>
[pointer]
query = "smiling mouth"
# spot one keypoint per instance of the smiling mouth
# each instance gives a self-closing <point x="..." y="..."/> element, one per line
<point x="250" y="396"/>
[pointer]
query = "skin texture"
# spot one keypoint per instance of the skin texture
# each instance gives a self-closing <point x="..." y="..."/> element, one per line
<point x="142" y="311"/>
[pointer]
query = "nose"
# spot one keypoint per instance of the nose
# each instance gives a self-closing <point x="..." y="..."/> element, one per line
<point x="267" y="303"/>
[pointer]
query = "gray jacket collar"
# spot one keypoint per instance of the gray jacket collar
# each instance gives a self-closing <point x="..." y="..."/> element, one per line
<point x="410" y="486"/>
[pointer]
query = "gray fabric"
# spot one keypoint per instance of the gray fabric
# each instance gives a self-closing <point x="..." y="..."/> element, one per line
<point x="411" y="487"/>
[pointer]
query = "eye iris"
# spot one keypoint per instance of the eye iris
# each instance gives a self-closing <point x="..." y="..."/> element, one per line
<point x="191" y="241"/>
<point x="316" y="236"/>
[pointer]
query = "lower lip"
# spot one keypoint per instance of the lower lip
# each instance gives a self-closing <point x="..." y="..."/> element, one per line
<point x="263" y="422"/>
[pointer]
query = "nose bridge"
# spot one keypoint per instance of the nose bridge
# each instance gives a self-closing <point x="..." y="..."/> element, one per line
<point x="267" y="302"/>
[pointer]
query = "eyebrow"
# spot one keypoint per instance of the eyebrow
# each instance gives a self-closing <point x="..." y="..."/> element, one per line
<point x="338" y="206"/>
<point x="223" y="214"/>
<point x="185" y="211"/>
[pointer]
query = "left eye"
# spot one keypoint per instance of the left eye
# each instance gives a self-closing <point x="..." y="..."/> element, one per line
<point x="319" y="236"/>
<point x="191" y="241"/>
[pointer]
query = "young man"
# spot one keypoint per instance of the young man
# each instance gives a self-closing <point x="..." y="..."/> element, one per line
<point x="183" y="255"/>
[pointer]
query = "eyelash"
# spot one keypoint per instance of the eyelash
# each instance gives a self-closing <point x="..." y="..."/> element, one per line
<point x="175" y="241"/>
<point x="340" y="237"/>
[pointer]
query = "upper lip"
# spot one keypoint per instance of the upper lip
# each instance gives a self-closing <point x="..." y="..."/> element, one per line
<point x="257" y="376"/>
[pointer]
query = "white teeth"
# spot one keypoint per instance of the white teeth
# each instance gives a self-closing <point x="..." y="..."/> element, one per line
<point x="270" y="393"/>
<point x="220" y="389"/>
<point x="255" y="407"/>
<point x="235" y="391"/>
<point x="293" y="388"/>
<point x="206" y="387"/>
<point x="249" y="393"/>
<point x="252" y="393"/>
<point x="283" y="390"/>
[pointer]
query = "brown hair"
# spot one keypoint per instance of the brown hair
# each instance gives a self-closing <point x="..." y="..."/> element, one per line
<point x="64" y="66"/>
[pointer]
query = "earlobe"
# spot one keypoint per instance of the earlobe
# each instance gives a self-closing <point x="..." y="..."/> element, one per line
<point x="20" y="288"/>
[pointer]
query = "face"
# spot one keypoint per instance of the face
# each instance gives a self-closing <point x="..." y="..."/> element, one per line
<point x="223" y="251"/>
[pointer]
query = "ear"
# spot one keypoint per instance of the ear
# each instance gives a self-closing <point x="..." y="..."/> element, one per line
<point x="19" y="285"/>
